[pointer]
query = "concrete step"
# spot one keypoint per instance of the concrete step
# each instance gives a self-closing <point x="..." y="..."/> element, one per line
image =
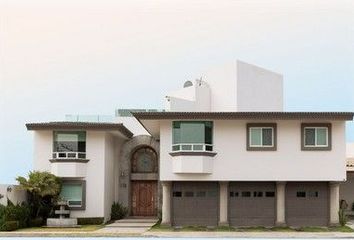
<point x="134" y="220"/>
<point x="131" y="224"/>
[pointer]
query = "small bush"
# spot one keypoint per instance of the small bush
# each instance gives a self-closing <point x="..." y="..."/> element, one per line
<point x="90" y="221"/>
<point x="37" y="222"/>
<point x="11" y="225"/>
<point x="118" y="211"/>
<point x="342" y="217"/>
<point x="20" y="213"/>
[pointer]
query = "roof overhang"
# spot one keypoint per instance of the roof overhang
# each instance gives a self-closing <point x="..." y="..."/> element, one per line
<point x="93" y="126"/>
<point x="151" y="120"/>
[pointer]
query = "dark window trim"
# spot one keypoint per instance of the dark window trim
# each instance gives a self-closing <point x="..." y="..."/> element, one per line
<point x="83" y="184"/>
<point x="326" y="148"/>
<point x="272" y="125"/>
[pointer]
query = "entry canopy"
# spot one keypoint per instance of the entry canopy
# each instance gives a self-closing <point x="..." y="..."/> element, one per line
<point x="151" y="120"/>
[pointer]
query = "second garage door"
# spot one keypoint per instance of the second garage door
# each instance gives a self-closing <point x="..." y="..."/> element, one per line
<point x="252" y="204"/>
<point x="195" y="203"/>
<point x="307" y="204"/>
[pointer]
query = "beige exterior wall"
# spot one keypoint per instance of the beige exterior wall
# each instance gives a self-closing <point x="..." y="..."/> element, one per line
<point x="288" y="163"/>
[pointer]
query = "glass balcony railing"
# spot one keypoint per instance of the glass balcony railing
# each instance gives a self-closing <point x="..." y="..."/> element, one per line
<point x="192" y="147"/>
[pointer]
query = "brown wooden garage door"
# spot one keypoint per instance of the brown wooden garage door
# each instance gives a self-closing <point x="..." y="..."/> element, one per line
<point x="307" y="204"/>
<point x="195" y="203"/>
<point x="252" y="204"/>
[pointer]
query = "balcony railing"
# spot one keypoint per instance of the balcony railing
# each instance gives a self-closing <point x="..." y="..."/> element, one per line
<point x="69" y="155"/>
<point x="192" y="147"/>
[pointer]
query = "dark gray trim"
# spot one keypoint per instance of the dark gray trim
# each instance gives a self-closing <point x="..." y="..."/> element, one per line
<point x="328" y="148"/>
<point x="80" y="126"/>
<point x="83" y="183"/>
<point x="186" y="153"/>
<point x="66" y="160"/>
<point x="272" y="125"/>
<point x="344" y="116"/>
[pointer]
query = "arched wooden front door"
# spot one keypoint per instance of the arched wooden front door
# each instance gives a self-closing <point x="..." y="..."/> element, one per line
<point x="144" y="192"/>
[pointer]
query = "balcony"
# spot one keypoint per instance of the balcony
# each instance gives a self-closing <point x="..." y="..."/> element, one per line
<point x="69" y="164"/>
<point x="192" y="158"/>
<point x="350" y="164"/>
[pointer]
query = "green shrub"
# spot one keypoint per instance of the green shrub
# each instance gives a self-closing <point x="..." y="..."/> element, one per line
<point x="90" y="221"/>
<point x="11" y="225"/>
<point x="36" y="222"/>
<point x="342" y="217"/>
<point x="118" y="211"/>
<point x="18" y="212"/>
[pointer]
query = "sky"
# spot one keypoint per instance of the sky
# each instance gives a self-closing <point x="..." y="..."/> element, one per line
<point x="93" y="56"/>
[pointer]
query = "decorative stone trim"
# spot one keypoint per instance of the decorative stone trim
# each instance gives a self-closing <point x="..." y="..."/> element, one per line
<point x="69" y="160"/>
<point x="188" y="153"/>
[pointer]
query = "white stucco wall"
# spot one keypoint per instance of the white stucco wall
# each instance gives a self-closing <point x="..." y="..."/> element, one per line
<point x="234" y="163"/>
<point x="15" y="195"/>
<point x="95" y="168"/>
<point x="350" y="150"/>
<point x="258" y="89"/>
<point x="235" y="86"/>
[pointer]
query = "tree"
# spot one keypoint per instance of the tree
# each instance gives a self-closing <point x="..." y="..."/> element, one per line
<point x="43" y="189"/>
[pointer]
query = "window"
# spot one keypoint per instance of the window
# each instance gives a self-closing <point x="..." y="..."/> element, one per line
<point x="144" y="160"/>
<point x="301" y="194"/>
<point x="270" y="194"/>
<point x="313" y="194"/>
<point x="201" y="194"/>
<point x="246" y="194"/>
<point x="74" y="193"/>
<point x="177" y="194"/>
<point x="69" y="144"/>
<point x="189" y="194"/>
<point x="316" y="136"/>
<point x="261" y="136"/>
<point x="192" y="136"/>
<point x="257" y="194"/>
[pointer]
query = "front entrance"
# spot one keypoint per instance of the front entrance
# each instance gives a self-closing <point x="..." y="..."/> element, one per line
<point x="144" y="198"/>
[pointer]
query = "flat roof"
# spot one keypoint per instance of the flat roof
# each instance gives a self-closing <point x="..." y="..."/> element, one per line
<point x="66" y="125"/>
<point x="344" y="116"/>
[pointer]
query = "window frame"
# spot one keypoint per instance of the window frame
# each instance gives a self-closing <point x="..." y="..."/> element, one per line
<point x="78" y="154"/>
<point x="83" y="197"/>
<point x="207" y="148"/>
<point x="262" y="126"/>
<point x="316" y="147"/>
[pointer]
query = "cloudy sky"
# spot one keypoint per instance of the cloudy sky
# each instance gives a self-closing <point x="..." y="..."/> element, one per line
<point x="88" y="57"/>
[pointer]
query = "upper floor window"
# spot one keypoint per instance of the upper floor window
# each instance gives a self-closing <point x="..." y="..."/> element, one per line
<point x="69" y="144"/>
<point x="192" y="136"/>
<point x="316" y="136"/>
<point x="144" y="160"/>
<point x="261" y="136"/>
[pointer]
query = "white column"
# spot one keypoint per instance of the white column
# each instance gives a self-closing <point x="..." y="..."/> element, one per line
<point x="334" y="203"/>
<point x="280" y="198"/>
<point x="166" y="203"/>
<point x="223" y="218"/>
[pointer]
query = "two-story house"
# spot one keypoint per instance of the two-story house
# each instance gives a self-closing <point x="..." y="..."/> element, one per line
<point x="223" y="153"/>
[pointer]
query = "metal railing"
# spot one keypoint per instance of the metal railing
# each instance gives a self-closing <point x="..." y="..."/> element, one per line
<point x="69" y="155"/>
<point x="192" y="147"/>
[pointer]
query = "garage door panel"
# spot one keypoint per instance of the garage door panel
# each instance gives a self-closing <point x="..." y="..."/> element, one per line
<point x="196" y="203"/>
<point x="249" y="205"/>
<point x="307" y="204"/>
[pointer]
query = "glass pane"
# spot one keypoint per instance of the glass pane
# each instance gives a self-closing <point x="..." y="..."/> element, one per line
<point x="198" y="147"/>
<point x="322" y="136"/>
<point x="69" y="141"/>
<point x="300" y="194"/>
<point x="176" y="148"/>
<point x="192" y="132"/>
<point x="310" y="136"/>
<point x="71" y="192"/>
<point x="187" y="147"/>
<point x="208" y="148"/>
<point x="246" y="194"/>
<point x="209" y="132"/>
<point x="270" y="194"/>
<point x="177" y="194"/>
<point x="267" y="136"/>
<point x="255" y="136"/>
<point x="176" y="133"/>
